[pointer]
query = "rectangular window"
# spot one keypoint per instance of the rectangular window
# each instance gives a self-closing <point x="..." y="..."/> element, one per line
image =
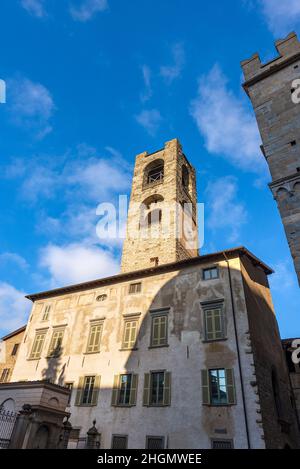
<point x="221" y="444"/>
<point x="159" y="330"/>
<point x="155" y="442"/>
<point x="15" y="349"/>
<point x="124" y="390"/>
<point x="94" y="339"/>
<point x="70" y="387"/>
<point x="135" y="288"/>
<point x="214" y="323"/>
<point x="218" y="387"/>
<point x="4" y="375"/>
<point x="130" y="332"/>
<point x="88" y="387"/>
<point x="56" y="342"/>
<point x="157" y="389"/>
<point x="87" y="391"/>
<point x="210" y="273"/>
<point x="119" y="442"/>
<point x="46" y="312"/>
<point x="38" y="345"/>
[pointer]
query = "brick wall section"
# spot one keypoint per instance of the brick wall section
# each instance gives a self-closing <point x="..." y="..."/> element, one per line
<point x="269" y="87"/>
<point x="268" y="355"/>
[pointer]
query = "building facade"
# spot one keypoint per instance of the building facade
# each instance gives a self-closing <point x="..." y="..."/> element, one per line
<point x="271" y="88"/>
<point x="180" y="353"/>
<point x="9" y="348"/>
<point x="294" y="371"/>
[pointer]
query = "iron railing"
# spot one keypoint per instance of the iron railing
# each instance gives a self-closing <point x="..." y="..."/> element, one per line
<point x="7" y="423"/>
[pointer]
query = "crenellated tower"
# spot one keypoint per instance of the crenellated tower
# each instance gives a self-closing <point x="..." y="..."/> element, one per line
<point x="271" y="88"/>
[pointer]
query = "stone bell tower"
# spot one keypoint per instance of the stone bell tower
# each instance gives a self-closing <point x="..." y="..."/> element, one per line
<point x="271" y="87"/>
<point x="162" y="216"/>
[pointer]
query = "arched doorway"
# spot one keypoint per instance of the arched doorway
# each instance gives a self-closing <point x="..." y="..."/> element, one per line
<point x="41" y="438"/>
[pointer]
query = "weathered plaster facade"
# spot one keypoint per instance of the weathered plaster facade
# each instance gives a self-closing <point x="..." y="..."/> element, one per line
<point x="9" y="348"/>
<point x="270" y="88"/>
<point x="180" y="288"/>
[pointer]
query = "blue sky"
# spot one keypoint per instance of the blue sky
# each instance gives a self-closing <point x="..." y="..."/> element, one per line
<point x="92" y="83"/>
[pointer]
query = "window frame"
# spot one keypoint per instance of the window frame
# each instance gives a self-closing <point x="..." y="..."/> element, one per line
<point x="135" y="291"/>
<point x="127" y="321"/>
<point x="119" y="436"/>
<point x="5" y="375"/>
<point x="152" y="373"/>
<point x="222" y="440"/>
<point x="127" y="390"/>
<point x="88" y="345"/>
<point x="69" y="385"/>
<point x="54" y="352"/>
<point x="207" y="396"/>
<point x="15" y="350"/>
<point x="149" y="437"/>
<point x="211" y="306"/>
<point x="35" y="355"/>
<point x="158" y="314"/>
<point x="90" y="390"/>
<point x="46" y="312"/>
<point x="209" y="269"/>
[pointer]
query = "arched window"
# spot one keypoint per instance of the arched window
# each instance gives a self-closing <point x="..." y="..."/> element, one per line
<point x="152" y="200"/>
<point x="154" y="172"/>
<point x="185" y="177"/>
<point x="154" y="217"/>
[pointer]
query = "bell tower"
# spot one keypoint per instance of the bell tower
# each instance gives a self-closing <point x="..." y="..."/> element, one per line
<point x="162" y="215"/>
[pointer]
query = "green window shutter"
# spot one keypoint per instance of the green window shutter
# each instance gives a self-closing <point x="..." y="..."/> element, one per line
<point x="230" y="386"/>
<point x="96" y="390"/>
<point x="155" y="331"/>
<point x="79" y="391"/>
<point x="115" y="391"/>
<point x="146" y="396"/>
<point x="205" y="387"/>
<point x="167" y="389"/>
<point x="133" y="389"/>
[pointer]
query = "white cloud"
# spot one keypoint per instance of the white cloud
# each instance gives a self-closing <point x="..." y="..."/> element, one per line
<point x="224" y="209"/>
<point x="88" y="9"/>
<point x="171" y="72"/>
<point x="284" y="277"/>
<point x="75" y="263"/>
<point x="34" y="7"/>
<point x="14" y="307"/>
<point x="31" y="106"/>
<point x="147" y="93"/>
<point x="12" y="257"/>
<point x="150" y="120"/>
<point x="282" y="16"/>
<point x="226" y="125"/>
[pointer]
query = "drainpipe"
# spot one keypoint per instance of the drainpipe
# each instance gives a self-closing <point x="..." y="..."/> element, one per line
<point x="238" y="350"/>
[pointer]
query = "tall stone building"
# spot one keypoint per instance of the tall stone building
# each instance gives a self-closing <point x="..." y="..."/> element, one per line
<point x="183" y="353"/>
<point x="9" y="347"/>
<point x="270" y="88"/>
<point x="163" y="193"/>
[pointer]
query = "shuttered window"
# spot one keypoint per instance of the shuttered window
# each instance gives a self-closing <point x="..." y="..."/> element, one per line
<point x="155" y="442"/>
<point x="4" y="375"/>
<point x="94" y="339"/>
<point x="221" y="444"/>
<point x="159" y="330"/>
<point x="38" y="345"/>
<point x="135" y="288"/>
<point x="124" y="390"/>
<point x="119" y="442"/>
<point x="46" y="312"/>
<point x="88" y="391"/>
<point x="157" y="389"/>
<point x="214" y="323"/>
<point x="56" y="342"/>
<point x="218" y="387"/>
<point x="130" y="332"/>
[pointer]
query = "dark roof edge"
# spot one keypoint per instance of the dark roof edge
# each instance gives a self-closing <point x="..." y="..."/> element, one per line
<point x="11" y="334"/>
<point x="241" y="250"/>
